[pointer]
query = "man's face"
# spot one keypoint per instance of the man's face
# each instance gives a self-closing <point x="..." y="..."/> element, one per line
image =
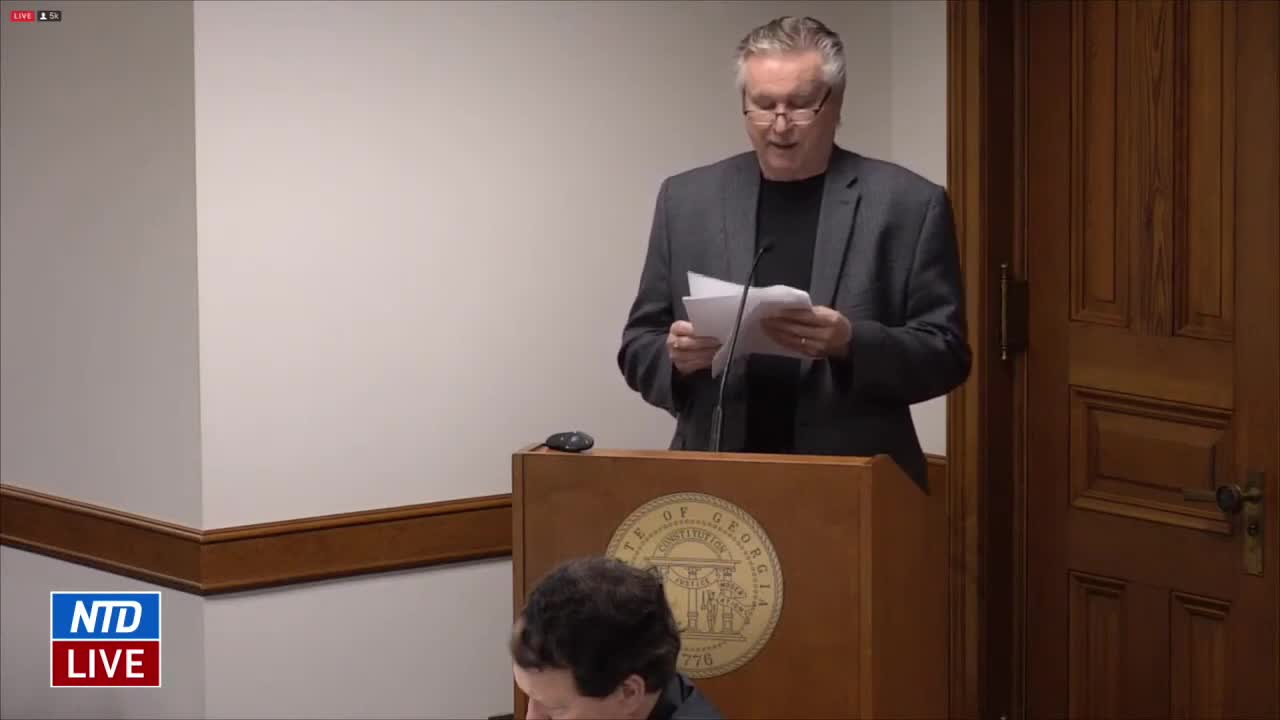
<point x="553" y="695"/>
<point x="790" y="81"/>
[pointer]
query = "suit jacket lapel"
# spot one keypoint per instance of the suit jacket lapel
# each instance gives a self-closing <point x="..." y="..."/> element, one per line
<point x="741" y="192"/>
<point x="835" y="225"/>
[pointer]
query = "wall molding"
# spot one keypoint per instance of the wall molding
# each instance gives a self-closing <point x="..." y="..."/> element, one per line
<point x="274" y="554"/>
<point x="223" y="560"/>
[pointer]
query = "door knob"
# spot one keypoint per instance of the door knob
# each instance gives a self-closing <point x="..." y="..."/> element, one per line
<point x="1229" y="498"/>
<point x="1233" y="499"/>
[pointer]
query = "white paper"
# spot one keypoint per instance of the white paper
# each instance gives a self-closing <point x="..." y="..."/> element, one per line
<point x="712" y="306"/>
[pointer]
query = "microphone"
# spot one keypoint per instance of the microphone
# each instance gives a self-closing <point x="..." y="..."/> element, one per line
<point x="717" y="415"/>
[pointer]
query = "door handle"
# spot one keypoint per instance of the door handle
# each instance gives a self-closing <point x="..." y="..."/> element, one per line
<point x="1229" y="498"/>
<point x="1245" y="501"/>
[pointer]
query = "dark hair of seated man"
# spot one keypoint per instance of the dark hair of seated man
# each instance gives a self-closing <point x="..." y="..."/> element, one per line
<point x="597" y="639"/>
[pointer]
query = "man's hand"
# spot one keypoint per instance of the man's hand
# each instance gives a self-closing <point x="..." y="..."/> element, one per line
<point x="818" y="332"/>
<point x="689" y="352"/>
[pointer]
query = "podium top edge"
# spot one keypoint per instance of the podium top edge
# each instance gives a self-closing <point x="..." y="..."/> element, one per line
<point x="766" y="458"/>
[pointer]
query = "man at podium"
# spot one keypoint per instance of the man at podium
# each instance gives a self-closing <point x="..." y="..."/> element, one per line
<point x="871" y="243"/>
<point x="597" y="639"/>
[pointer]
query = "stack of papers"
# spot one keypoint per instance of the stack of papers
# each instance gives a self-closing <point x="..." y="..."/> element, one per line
<point x="712" y="306"/>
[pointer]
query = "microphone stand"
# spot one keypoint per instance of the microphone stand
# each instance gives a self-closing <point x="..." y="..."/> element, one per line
<point x="717" y="415"/>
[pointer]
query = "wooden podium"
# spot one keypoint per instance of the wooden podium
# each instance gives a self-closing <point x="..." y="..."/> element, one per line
<point x="858" y="627"/>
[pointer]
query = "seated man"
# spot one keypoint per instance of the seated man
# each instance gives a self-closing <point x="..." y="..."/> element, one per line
<point x="597" y="640"/>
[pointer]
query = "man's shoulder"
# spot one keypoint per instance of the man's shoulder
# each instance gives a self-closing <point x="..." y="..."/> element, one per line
<point x="892" y="179"/>
<point x="693" y="704"/>
<point x="709" y="176"/>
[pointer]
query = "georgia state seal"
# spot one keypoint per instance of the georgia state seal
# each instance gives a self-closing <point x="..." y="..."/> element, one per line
<point x="720" y="571"/>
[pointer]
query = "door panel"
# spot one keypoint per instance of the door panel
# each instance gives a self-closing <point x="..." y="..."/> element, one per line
<point x="1151" y="186"/>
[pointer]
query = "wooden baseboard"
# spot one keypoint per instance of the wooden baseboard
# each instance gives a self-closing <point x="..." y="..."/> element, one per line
<point x="223" y="560"/>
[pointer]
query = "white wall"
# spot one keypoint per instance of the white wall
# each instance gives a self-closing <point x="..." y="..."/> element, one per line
<point x="918" y="77"/>
<point x="97" y="257"/>
<point x="918" y="118"/>
<point x="397" y="645"/>
<point x="390" y="301"/>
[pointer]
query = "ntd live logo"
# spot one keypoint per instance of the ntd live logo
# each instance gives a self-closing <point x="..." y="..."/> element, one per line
<point x="104" y="639"/>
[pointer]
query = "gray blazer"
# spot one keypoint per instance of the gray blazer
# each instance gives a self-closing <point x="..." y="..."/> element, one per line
<point x="885" y="256"/>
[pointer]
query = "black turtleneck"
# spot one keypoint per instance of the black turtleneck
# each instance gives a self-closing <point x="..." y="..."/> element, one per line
<point x="787" y="219"/>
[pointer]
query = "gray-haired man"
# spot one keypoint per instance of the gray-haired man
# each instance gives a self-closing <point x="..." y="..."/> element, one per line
<point x="872" y="243"/>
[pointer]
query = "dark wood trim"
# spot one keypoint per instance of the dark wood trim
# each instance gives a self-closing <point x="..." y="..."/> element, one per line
<point x="1016" y="400"/>
<point x="963" y="186"/>
<point x="415" y="536"/>
<point x="232" y="559"/>
<point x="962" y="590"/>
<point x="980" y="163"/>
<point x="102" y="538"/>
<point x="225" y="560"/>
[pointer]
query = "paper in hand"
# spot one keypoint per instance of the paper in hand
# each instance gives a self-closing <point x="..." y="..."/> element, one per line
<point x="712" y="306"/>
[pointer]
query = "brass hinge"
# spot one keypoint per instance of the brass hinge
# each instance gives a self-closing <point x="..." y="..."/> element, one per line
<point x="1013" y="313"/>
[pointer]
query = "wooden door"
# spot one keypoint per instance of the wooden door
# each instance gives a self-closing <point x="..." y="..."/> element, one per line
<point x="1151" y="183"/>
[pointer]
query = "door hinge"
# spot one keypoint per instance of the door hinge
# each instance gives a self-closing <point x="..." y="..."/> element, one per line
<point x="1013" y="313"/>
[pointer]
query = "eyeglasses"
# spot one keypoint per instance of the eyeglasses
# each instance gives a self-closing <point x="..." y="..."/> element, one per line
<point x="798" y="117"/>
